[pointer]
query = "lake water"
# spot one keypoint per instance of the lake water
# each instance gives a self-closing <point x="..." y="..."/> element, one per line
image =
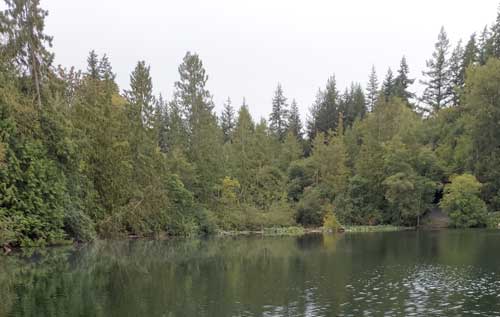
<point x="413" y="273"/>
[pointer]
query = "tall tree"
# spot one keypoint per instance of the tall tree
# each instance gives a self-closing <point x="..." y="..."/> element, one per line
<point x="93" y="65"/>
<point x="389" y="85"/>
<point x="22" y="24"/>
<point x="402" y="82"/>
<point x="324" y="113"/>
<point x="484" y="46"/>
<point x="438" y="89"/>
<point x="457" y="72"/>
<point x="372" y="90"/>
<point x="279" y="115"/>
<point x="227" y="120"/>
<point x="294" y="122"/>
<point x="204" y="138"/>
<point x="495" y="36"/>
<point x="140" y="96"/>
<point x="470" y="52"/>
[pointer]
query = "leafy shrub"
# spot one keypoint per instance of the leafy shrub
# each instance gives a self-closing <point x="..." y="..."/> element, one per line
<point x="462" y="203"/>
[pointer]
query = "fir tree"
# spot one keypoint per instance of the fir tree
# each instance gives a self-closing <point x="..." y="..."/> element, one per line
<point x="372" y="90"/>
<point x="227" y="120"/>
<point x="457" y="72"/>
<point x="495" y="37"/>
<point x="93" y="65"/>
<point x="279" y="115"/>
<point x="470" y="53"/>
<point x="389" y="85"/>
<point x="438" y="89"/>
<point x="328" y="111"/>
<point x="402" y="82"/>
<point x="22" y="25"/>
<point x="484" y="46"/>
<point x="294" y="122"/>
<point x="140" y="96"/>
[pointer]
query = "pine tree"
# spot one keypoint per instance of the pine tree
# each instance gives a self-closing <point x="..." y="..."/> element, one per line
<point x="372" y="90"/>
<point x="22" y="27"/>
<point x="294" y="122"/>
<point x="162" y="124"/>
<point x="140" y="96"/>
<point x="457" y="72"/>
<point x="438" y="90"/>
<point x="358" y="105"/>
<point x="191" y="96"/>
<point x="328" y="113"/>
<point x="389" y="85"/>
<point x="402" y="82"/>
<point x="495" y="36"/>
<point x="470" y="53"/>
<point x="93" y="65"/>
<point x="227" y="120"/>
<point x="204" y="138"/>
<point x="279" y="115"/>
<point x="484" y="46"/>
<point x="311" y="123"/>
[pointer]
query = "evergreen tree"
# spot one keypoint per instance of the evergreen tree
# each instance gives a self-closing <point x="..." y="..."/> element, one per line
<point x="22" y="26"/>
<point x="438" y="88"/>
<point x="140" y="96"/>
<point x="485" y="46"/>
<point x="402" y="82"/>
<point x="93" y="65"/>
<point x="495" y="37"/>
<point x="162" y="124"/>
<point x="204" y="138"/>
<point x="389" y="85"/>
<point x="457" y="72"/>
<point x="352" y="104"/>
<point x="372" y="90"/>
<point x="227" y="120"/>
<point x="294" y="122"/>
<point x="279" y="116"/>
<point x="470" y="52"/>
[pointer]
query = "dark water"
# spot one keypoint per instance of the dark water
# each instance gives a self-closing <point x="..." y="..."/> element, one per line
<point x="447" y="273"/>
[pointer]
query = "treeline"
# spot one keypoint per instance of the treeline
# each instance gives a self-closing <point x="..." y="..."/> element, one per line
<point x="81" y="159"/>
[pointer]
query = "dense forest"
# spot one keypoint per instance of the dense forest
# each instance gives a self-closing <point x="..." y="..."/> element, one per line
<point x="81" y="158"/>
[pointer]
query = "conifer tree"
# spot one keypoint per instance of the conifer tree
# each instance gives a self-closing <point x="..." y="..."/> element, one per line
<point x="438" y="88"/>
<point x="389" y="85"/>
<point x="279" y="115"/>
<point x="402" y="82"/>
<point x="470" y="52"/>
<point x="204" y="137"/>
<point x="22" y="26"/>
<point x="140" y="96"/>
<point x="294" y="122"/>
<point x="162" y="124"/>
<point x="457" y="72"/>
<point x="484" y="46"/>
<point x="93" y="65"/>
<point x="227" y="120"/>
<point x="495" y="37"/>
<point x="372" y="90"/>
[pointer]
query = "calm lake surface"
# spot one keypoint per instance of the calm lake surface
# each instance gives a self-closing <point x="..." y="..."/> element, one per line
<point x="414" y="273"/>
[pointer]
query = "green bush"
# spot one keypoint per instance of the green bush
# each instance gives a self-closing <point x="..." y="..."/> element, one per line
<point x="493" y="220"/>
<point x="462" y="203"/>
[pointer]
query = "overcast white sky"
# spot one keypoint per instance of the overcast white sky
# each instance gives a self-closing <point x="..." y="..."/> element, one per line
<point x="249" y="46"/>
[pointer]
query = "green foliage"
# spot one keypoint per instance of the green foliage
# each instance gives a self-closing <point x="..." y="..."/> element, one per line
<point x="330" y="222"/>
<point x="462" y="203"/>
<point x="81" y="160"/>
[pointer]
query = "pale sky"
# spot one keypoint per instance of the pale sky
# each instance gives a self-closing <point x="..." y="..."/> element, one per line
<point x="247" y="47"/>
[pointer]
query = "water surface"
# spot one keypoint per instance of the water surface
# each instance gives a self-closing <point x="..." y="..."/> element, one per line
<point x="424" y="273"/>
